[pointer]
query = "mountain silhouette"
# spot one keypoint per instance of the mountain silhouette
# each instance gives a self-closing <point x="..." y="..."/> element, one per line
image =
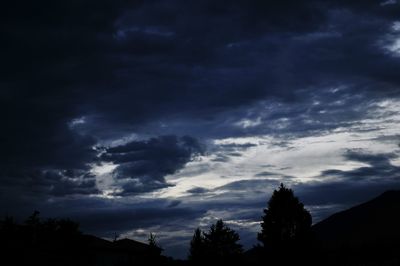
<point x="367" y="234"/>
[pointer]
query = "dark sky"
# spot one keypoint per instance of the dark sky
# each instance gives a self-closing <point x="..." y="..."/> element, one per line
<point x="160" y="116"/>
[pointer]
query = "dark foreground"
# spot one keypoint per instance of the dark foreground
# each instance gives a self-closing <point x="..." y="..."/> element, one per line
<point x="368" y="234"/>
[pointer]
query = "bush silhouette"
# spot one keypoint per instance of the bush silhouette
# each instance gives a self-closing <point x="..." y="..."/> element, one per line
<point x="218" y="245"/>
<point x="286" y="224"/>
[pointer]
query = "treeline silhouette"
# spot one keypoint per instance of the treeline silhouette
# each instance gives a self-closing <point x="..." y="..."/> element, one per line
<point x="286" y="238"/>
<point x="60" y="242"/>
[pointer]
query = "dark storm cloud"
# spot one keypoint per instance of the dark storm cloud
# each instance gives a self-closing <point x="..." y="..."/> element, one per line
<point x="223" y="152"/>
<point x="356" y="185"/>
<point x="174" y="203"/>
<point x="249" y="185"/>
<point x="198" y="190"/>
<point x="237" y="146"/>
<point x="272" y="174"/>
<point x="107" y="222"/>
<point x="221" y="158"/>
<point x="372" y="159"/>
<point x="265" y="173"/>
<point x="146" y="163"/>
<point x="388" y="138"/>
<point x="379" y="168"/>
<point x="31" y="183"/>
<point x="230" y="60"/>
<point x="68" y="183"/>
<point x="50" y="54"/>
<point x="190" y="57"/>
<point x="124" y="66"/>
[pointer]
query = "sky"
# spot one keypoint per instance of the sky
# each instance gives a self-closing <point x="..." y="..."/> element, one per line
<point x="133" y="117"/>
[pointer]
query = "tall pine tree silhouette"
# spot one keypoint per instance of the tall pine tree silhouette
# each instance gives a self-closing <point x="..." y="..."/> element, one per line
<point x="286" y="224"/>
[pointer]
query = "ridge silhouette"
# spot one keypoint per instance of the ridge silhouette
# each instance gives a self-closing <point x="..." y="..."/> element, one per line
<point x="367" y="234"/>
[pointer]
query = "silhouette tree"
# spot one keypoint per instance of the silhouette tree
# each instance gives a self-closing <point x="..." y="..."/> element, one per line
<point x="154" y="246"/>
<point x="286" y="224"/>
<point x="116" y="236"/>
<point x="33" y="225"/>
<point x="33" y="220"/>
<point x="218" y="245"/>
<point x="197" y="250"/>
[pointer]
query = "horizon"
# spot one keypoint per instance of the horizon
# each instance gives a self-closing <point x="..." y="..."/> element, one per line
<point x="246" y="246"/>
<point x="162" y="117"/>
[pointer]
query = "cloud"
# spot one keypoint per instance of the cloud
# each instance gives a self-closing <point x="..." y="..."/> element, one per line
<point x="45" y="65"/>
<point x="388" y="2"/>
<point x="235" y="62"/>
<point x="265" y="173"/>
<point x="108" y="221"/>
<point x="356" y="185"/>
<point x="379" y="169"/>
<point x="378" y="160"/>
<point x="48" y="183"/>
<point x="197" y="190"/>
<point x="143" y="165"/>
<point x="174" y="203"/>
<point x="249" y="185"/>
